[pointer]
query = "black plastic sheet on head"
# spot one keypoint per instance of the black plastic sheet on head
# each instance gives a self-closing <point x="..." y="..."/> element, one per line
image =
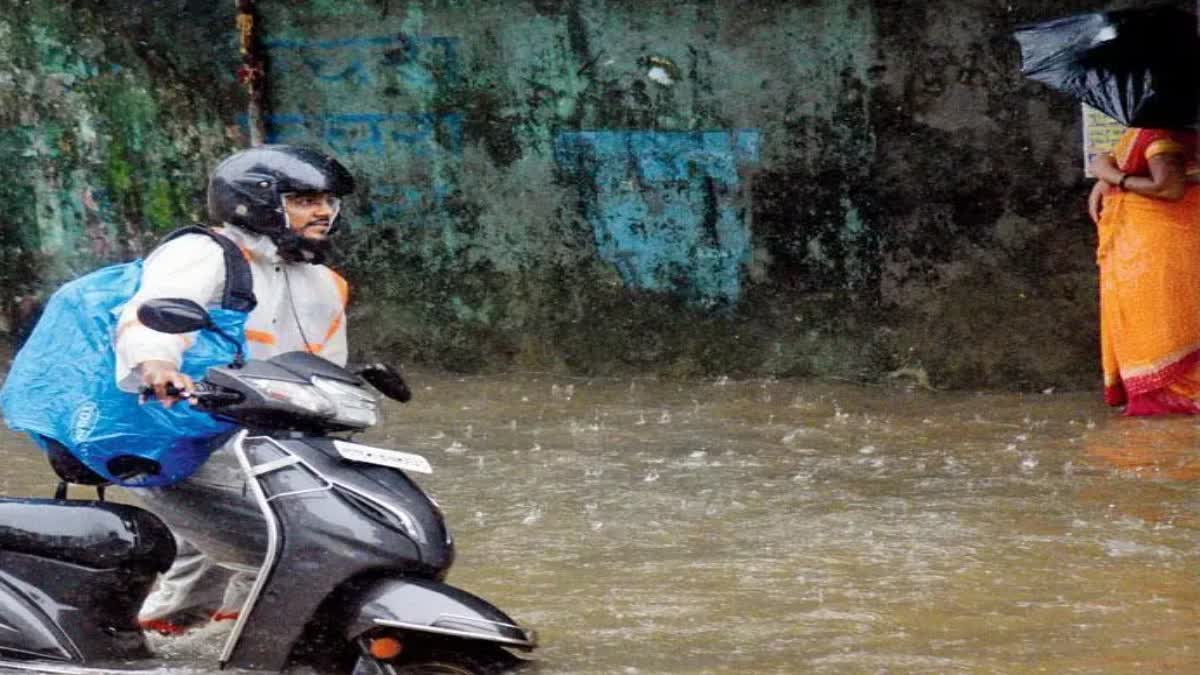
<point x="1139" y="66"/>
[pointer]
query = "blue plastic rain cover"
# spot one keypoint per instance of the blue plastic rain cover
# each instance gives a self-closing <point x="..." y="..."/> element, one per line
<point x="63" y="383"/>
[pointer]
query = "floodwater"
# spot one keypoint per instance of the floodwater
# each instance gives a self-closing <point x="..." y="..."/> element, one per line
<point x="805" y="527"/>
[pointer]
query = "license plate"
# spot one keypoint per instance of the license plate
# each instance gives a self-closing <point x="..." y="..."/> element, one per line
<point x="405" y="461"/>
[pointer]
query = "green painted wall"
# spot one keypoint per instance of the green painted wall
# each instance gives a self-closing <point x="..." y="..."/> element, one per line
<point x="576" y="184"/>
<point x="846" y="188"/>
<point x="105" y="132"/>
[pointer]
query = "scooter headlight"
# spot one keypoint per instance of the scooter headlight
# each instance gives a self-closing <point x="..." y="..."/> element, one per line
<point x="300" y="395"/>
<point x="354" y="405"/>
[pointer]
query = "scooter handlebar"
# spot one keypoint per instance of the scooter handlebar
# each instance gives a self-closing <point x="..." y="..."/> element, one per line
<point x="202" y="395"/>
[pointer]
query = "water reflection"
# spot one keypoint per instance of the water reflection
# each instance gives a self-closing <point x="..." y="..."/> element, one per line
<point x="1164" y="449"/>
<point x="784" y="526"/>
<point x="1164" y="454"/>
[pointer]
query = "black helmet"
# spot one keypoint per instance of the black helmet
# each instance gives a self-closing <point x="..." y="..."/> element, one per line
<point x="246" y="189"/>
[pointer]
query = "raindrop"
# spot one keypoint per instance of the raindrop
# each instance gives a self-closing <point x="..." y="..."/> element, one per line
<point x="534" y="515"/>
<point x="456" y="448"/>
<point x="651" y="476"/>
<point x="641" y="419"/>
<point x="665" y="417"/>
<point x="870" y="449"/>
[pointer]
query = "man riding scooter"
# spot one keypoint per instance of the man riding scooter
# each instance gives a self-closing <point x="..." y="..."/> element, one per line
<point x="279" y="205"/>
<point x="348" y="554"/>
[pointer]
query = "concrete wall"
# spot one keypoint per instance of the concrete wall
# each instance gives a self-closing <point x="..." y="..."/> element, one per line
<point x="105" y="133"/>
<point x="831" y="187"/>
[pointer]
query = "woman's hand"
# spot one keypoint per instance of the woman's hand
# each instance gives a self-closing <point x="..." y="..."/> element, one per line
<point x="1105" y="168"/>
<point x="1167" y="179"/>
<point x="1096" y="200"/>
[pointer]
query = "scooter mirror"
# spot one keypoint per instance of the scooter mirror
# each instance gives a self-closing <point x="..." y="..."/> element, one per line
<point x="173" y="315"/>
<point x="180" y="315"/>
<point x="387" y="380"/>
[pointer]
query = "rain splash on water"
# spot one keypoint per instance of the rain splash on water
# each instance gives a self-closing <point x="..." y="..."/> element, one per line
<point x="785" y="526"/>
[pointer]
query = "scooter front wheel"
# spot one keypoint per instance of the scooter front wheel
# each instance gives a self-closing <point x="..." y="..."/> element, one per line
<point x="466" y="660"/>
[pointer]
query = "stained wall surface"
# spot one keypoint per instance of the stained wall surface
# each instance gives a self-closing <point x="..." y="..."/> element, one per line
<point x="842" y="188"/>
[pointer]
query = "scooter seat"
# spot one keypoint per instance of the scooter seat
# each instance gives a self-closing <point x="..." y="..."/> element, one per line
<point x="100" y="535"/>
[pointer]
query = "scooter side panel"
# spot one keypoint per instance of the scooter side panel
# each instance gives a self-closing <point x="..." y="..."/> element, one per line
<point x="326" y="541"/>
<point x="96" y="608"/>
<point x="25" y="631"/>
<point x="433" y="607"/>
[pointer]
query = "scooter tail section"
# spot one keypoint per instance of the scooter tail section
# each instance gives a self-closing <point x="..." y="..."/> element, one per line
<point x="433" y="608"/>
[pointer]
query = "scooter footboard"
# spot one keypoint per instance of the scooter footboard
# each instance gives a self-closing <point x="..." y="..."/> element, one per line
<point x="425" y="606"/>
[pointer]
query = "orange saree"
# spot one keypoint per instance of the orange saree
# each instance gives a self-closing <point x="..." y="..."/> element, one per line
<point x="1149" y="257"/>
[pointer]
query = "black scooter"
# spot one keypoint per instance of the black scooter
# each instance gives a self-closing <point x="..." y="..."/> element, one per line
<point x="357" y="553"/>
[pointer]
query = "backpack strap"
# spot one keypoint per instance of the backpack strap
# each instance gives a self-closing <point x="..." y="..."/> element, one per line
<point x="239" y="284"/>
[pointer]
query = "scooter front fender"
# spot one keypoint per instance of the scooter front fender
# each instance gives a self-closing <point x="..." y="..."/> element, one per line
<point x="425" y="606"/>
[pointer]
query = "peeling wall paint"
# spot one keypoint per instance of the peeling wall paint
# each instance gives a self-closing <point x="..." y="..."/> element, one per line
<point x="101" y="150"/>
<point x="494" y="145"/>
<point x="669" y="209"/>
<point x="830" y="187"/>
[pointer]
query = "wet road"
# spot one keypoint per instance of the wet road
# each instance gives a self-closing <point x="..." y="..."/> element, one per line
<point x="787" y="526"/>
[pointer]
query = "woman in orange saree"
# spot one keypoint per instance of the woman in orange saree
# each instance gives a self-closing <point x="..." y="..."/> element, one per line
<point x="1146" y="205"/>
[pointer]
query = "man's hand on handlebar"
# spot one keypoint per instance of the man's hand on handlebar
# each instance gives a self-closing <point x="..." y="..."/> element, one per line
<point x="163" y="380"/>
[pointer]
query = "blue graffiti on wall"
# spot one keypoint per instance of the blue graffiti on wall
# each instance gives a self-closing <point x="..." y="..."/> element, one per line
<point x="408" y="135"/>
<point x="670" y="210"/>
<point x="419" y="62"/>
<point x="410" y="159"/>
<point x="418" y="134"/>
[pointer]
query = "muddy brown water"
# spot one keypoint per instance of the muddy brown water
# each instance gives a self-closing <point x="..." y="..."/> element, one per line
<point x="802" y="527"/>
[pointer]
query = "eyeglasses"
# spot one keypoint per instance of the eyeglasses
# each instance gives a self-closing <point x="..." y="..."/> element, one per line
<point x="312" y="200"/>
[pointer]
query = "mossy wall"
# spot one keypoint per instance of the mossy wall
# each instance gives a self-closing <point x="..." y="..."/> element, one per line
<point x="109" y="119"/>
<point x="844" y="188"/>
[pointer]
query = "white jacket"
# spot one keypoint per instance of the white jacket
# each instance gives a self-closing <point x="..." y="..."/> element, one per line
<point x="193" y="267"/>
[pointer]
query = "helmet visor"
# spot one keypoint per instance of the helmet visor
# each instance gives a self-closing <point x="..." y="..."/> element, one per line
<point x="305" y="210"/>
